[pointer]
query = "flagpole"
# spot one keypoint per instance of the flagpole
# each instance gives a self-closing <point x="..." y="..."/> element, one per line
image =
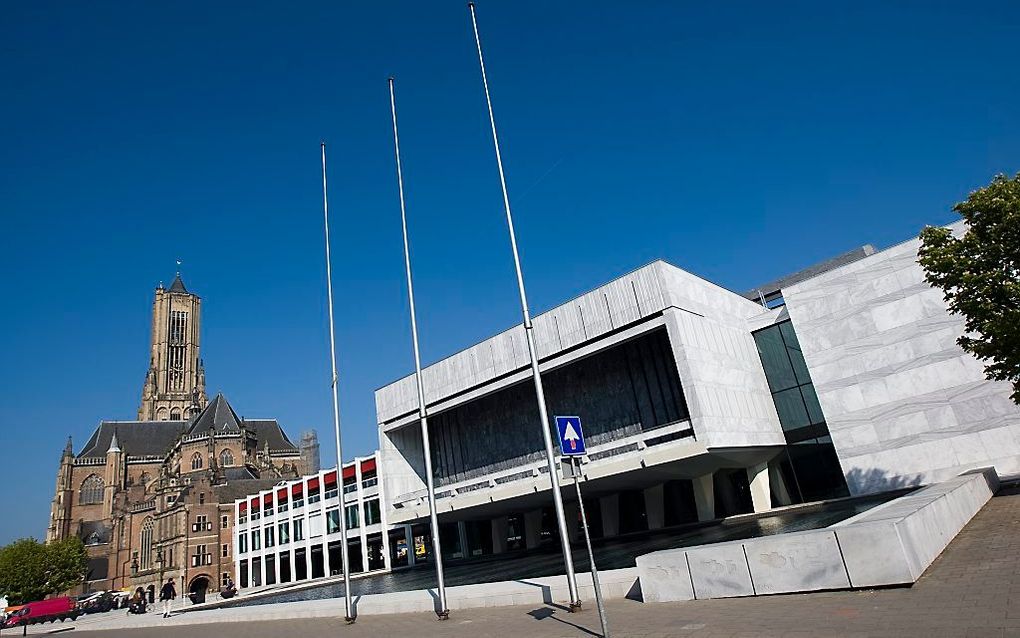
<point x="443" y="612"/>
<point x="568" y="561"/>
<point x="348" y="607"/>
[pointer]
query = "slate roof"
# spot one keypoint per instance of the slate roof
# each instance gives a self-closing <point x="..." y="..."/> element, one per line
<point x="135" y="438"/>
<point x="178" y="285"/>
<point x="233" y="490"/>
<point x="143" y="438"/>
<point x="217" y="415"/>
<point x="238" y="473"/>
<point x="268" y="430"/>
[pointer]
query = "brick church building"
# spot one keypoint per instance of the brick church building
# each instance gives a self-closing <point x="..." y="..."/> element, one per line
<point x="153" y="498"/>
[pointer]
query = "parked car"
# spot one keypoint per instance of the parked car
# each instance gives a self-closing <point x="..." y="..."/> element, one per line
<point x="99" y="602"/>
<point x="44" y="611"/>
<point x="121" y="599"/>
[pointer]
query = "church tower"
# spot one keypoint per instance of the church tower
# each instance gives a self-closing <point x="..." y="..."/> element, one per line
<point x="174" y="387"/>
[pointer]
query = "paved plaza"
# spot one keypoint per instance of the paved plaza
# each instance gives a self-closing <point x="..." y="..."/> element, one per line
<point x="972" y="589"/>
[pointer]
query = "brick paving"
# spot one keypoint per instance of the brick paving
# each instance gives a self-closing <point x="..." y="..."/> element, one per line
<point x="971" y="590"/>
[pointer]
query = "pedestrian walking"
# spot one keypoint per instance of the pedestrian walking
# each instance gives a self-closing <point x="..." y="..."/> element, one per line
<point x="166" y="595"/>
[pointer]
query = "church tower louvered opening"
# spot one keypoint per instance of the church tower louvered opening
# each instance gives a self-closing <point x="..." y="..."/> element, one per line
<point x="174" y="387"/>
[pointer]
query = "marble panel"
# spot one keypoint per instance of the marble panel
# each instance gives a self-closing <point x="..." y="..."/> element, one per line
<point x="719" y="571"/>
<point x="806" y="561"/>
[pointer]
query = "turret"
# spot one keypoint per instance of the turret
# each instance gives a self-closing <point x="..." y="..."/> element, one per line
<point x="60" y="508"/>
<point x="114" y="474"/>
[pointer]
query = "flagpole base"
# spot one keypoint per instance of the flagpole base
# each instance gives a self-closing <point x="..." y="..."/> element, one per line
<point x="575" y="606"/>
<point x="443" y="615"/>
<point x="350" y="620"/>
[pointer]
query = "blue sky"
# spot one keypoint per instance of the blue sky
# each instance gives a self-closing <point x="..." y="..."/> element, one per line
<point x="741" y="141"/>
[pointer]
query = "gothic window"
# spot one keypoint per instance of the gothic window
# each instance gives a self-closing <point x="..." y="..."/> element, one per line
<point x="175" y="414"/>
<point x="161" y="414"/>
<point x="145" y="558"/>
<point x="91" y="490"/>
<point x="226" y="458"/>
<point x="196" y="461"/>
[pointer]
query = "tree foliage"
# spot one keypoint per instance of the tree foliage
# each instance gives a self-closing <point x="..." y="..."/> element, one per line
<point x="30" y="570"/>
<point x="979" y="274"/>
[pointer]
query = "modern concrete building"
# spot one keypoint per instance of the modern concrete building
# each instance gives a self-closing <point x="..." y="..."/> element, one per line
<point x="699" y="402"/>
<point x="291" y="532"/>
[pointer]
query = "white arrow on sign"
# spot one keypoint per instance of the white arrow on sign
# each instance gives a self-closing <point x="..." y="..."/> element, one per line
<point x="570" y="435"/>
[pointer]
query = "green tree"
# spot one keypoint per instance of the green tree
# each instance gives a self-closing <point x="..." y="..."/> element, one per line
<point x="66" y="563"/>
<point x="30" y="570"/>
<point x="979" y="274"/>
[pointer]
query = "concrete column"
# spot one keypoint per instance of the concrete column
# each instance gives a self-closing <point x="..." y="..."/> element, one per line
<point x="409" y="539"/>
<point x="573" y="515"/>
<point x="610" y="506"/>
<point x="307" y="530"/>
<point x="383" y="519"/>
<point x="293" y="550"/>
<point x="462" y="538"/>
<point x="758" y="477"/>
<point x="704" y="497"/>
<point x="276" y="559"/>
<point x="778" y="485"/>
<point x="655" y="507"/>
<point x="359" y="494"/>
<point x="262" y="557"/>
<point x="308" y="543"/>
<point x="532" y="528"/>
<point x="499" y="532"/>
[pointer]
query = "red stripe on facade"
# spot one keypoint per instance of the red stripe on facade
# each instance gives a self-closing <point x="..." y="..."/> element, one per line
<point x="367" y="466"/>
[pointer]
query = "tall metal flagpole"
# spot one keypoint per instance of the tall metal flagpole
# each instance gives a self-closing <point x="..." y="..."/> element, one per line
<point x="348" y="607"/>
<point x="443" y="612"/>
<point x="575" y="601"/>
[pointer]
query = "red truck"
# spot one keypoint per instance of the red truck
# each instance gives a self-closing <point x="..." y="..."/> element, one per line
<point x="44" y="610"/>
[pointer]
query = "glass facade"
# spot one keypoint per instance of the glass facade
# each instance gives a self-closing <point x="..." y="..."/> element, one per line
<point x="809" y="464"/>
<point x="372" y="515"/>
<point x="333" y="521"/>
<point x="626" y="389"/>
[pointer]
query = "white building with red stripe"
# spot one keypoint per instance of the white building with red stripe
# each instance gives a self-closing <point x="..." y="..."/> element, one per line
<point x="291" y="532"/>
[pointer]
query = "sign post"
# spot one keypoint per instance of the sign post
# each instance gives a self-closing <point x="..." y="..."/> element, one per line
<point x="572" y="446"/>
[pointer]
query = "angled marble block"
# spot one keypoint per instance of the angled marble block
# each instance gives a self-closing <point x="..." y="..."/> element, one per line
<point x="805" y="561"/>
<point x="665" y="576"/>
<point x="719" y="571"/>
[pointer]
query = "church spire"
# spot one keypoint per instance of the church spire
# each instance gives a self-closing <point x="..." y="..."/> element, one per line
<point x="114" y="446"/>
<point x="178" y="285"/>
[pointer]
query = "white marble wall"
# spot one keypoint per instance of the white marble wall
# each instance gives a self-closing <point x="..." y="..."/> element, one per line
<point x="718" y="363"/>
<point x="904" y="404"/>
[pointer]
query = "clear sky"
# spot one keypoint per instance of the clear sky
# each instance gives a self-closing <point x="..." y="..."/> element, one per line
<point x="741" y="141"/>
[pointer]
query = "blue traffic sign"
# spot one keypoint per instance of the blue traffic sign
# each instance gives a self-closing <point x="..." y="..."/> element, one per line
<point x="571" y="435"/>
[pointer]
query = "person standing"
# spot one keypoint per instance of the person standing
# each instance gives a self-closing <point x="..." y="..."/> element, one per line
<point x="166" y="595"/>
